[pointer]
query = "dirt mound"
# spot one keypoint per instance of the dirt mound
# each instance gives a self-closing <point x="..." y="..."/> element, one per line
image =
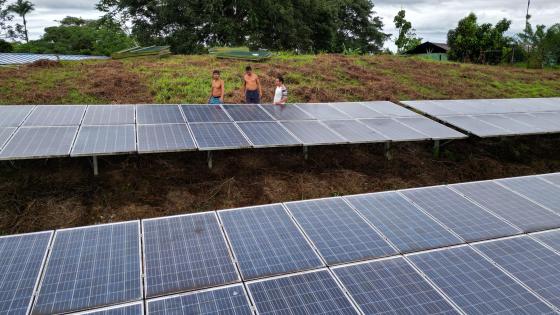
<point x="45" y="63"/>
<point x="112" y="82"/>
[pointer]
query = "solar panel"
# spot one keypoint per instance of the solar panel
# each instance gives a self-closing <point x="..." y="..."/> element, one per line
<point x="408" y="228"/>
<point x="109" y="115"/>
<point x="205" y="113"/>
<point x="550" y="238"/>
<point x="394" y="130"/>
<point x="513" y="127"/>
<point x="266" y="242"/>
<point x="432" y="108"/>
<point x="159" y="114"/>
<point x="475" y="284"/>
<point x="164" y="138"/>
<point x="21" y="262"/>
<point x="214" y="136"/>
<point x="537" y="190"/>
<point x="5" y="134"/>
<point x="313" y="132"/>
<point x="39" y="142"/>
<point x="535" y="122"/>
<point x="357" y="110"/>
<point x="390" y="109"/>
<point x="13" y="115"/>
<point x="268" y="134"/>
<point x="552" y="119"/>
<point x="91" y="267"/>
<point x="123" y="309"/>
<point x="224" y="300"/>
<point x="463" y="217"/>
<point x="530" y="262"/>
<point x="475" y="126"/>
<point x="553" y="178"/>
<point x="55" y="115"/>
<point x="391" y="286"/>
<point x="431" y="128"/>
<point x="338" y="232"/>
<point x="354" y="131"/>
<point x="323" y="111"/>
<point x="519" y="211"/>
<point x="104" y="140"/>
<point x="185" y="253"/>
<point x="247" y="113"/>
<point x="286" y="112"/>
<point x="307" y="293"/>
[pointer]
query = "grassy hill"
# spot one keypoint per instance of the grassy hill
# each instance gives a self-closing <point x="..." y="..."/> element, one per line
<point x="322" y="78"/>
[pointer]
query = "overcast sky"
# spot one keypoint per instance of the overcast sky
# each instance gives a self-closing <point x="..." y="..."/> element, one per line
<point x="431" y="18"/>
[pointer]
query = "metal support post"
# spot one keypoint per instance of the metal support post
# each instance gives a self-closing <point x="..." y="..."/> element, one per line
<point x="95" y="166"/>
<point x="209" y="159"/>
<point x="305" y="152"/>
<point x="388" y="151"/>
<point x="437" y="149"/>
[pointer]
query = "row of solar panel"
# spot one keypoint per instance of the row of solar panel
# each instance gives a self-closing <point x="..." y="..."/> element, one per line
<point x="55" y="131"/>
<point x="102" y="265"/>
<point x="19" y="59"/>
<point x="492" y="118"/>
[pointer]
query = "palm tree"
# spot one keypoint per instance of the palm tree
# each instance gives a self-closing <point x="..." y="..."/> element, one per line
<point x="22" y="8"/>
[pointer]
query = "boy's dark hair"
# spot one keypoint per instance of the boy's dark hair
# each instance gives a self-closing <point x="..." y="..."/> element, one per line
<point x="216" y="72"/>
<point x="248" y="68"/>
<point x="281" y="79"/>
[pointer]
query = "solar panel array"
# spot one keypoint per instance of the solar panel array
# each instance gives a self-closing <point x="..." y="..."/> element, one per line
<point x="77" y="130"/>
<point x="492" y="118"/>
<point x="20" y="58"/>
<point x="446" y="254"/>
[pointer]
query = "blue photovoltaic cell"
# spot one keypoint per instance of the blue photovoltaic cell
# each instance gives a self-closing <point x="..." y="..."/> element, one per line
<point x="185" y="253"/>
<point x="474" y="126"/>
<point x="227" y="300"/>
<point x="247" y="113"/>
<point x="164" y="138"/>
<point x="338" y="232"/>
<point x="391" y="286"/>
<point x="101" y="140"/>
<point x="268" y="134"/>
<point x="533" y="264"/>
<point x="431" y="128"/>
<point x="519" y="211"/>
<point x="354" y="131"/>
<point x="91" y="267"/>
<point x="159" y="114"/>
<point x="551" y="238"/>
<point x="127" y="309"/>
<point x="215" y="136"/>
<point x="537" y="190"/>
<point x="13" y="115"/>
<point x="313" y="132"/>
<point x="307" y="293"/>
<point x="357" y="110"/>
<point x="5" y="134"/>
<point x="323" y="111"/>
<point x="39" y="142"/>
<point x="109" y="115"/>
<point x="21" y="261"/>
<point x="402" y="223"/>
<point x="553" y="178"/>
<point x="475" y="284"/>
<point x="463" y="217"/>
<point x="266" y="242"/>
<point x="286" y="112"/>
<point x="56" y="115"/>
<point x="394" y="130"/>
<point x="205" y="114"/>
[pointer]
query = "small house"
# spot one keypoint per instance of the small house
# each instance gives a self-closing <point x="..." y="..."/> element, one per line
<point x="429" y="50"/>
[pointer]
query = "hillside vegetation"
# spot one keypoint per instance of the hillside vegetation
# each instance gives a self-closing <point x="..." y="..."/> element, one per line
<point x="321" y="78"/>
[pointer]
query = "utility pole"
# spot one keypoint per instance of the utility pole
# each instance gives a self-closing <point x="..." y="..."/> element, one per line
<point x="527" y="16"/>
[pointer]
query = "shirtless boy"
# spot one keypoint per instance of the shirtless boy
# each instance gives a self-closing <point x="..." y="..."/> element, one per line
<point x="251" y="87"/>
<point x="218" y="89"/>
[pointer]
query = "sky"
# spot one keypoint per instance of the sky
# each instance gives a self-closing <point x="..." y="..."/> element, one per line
<point x="431" y="18"/>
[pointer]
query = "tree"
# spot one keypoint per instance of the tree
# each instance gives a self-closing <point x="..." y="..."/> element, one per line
<point x="407" y="39"/>
<point x="191" y="26"/>
<point x="542" y="46"/>
<point x="22" y="8"/>
<point x="6" y="30"/>
<point x="485" y="43"/>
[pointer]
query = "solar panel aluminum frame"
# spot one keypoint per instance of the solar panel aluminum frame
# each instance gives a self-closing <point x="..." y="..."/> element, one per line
<point x="109" y="308"/>
<point x="228" y="246"/>
<point x="430" y="283"/>
<point x="178" y="295"/>
<point x="338" y="284"/>
<point x="535" y="237"/>
<point x="519" y="231"/>
<point x="292" y="219"/>
<point x="509" y="274"/>
<point x="77" y="130"/>
<point x="44" y="261"/>
<point x="165" y="151"/>
<point x="141" y="275"/>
